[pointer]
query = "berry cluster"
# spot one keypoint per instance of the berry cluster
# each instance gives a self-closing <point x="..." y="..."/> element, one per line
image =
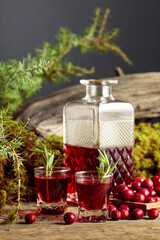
<point x="142" y="191"/>
<point x="124" y="212"/>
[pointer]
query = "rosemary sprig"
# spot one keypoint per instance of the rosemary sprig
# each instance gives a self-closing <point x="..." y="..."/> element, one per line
<point x="48" y="158"/>
<point x="105" y="168"/>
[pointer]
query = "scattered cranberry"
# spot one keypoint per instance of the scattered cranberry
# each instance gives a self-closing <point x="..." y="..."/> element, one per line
<point x="140" y="179"/>
<point x="30" y="218"/>
<point x="69" y="218"/>
<point x="153" y="213"/>
<point x="138" y="197"/>
<point x="156" y="181"/>
<point x="148" y="183"/>
<point x="157" y="199"/>
<point x="127" y="194"/>
<point x="124" y="213"/>
<point x="157" y="190"/>
<point x="116" y="215"/>
<point x="111" y="208"/>
<point x="152" y="193"/>
<point x="150" y="200"/>
<point x="124" y="206"/>
<point x="136" y="185"/>
<point x="137" y="213"/>
<point x="144" y="191"/>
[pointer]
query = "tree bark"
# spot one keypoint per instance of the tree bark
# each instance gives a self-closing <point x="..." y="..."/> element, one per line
<point x="142" y="90"/>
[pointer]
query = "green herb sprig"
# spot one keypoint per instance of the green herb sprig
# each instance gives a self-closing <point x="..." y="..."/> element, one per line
<point x="48" y="158"/>
<point x="105" y="169"/>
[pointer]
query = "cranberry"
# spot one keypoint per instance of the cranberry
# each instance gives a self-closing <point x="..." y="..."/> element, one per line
<point x="148" y="183"/>
<point x="111" y="208"/>
<point x="136" y="185"/>
<point x="157" y="190"/>
<point x="140" y="179"/>
<point x="30" y="218"/>
<point x="153" y="213"/>
<point x="137" y="213"/>
<point x="119" y="188"/>
<point x="124" y="213"/>
<point x="139" y="197"/>
<point x="124" y="206"/>
<point x="157" y="174"/>
<point x="152" y="193"/>
<point x="150" y="200"/>
<point x="156" y="181"/>
<point x="144" y="191"/>
<point x="69" y="218"/>
<point x="126" y="194"/>
<point x="116" y="215"/>
<point x="157" y="199"/>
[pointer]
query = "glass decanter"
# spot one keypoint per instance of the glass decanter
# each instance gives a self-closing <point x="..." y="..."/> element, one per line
<point x="98" y="121"/>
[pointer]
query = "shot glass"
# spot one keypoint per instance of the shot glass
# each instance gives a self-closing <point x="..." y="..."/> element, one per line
<point x="51" y="188"/>
<point x="93" y="196"/>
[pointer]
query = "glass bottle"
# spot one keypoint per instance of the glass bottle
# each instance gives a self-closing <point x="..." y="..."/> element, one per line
<point x="98" y="121"/>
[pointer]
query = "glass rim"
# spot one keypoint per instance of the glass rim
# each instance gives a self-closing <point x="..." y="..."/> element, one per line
<point x="86" y="174"/>
<point x="102" y="82"/>
<point x="55" y="169"/>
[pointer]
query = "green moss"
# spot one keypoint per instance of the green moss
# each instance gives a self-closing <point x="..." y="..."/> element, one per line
<point x="147" y="149"/>
<point x="2" y="199"/>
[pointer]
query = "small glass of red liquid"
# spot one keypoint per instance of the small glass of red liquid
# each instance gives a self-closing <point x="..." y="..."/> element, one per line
<point x="93" y="196"/>
<point x="51" y="187"/>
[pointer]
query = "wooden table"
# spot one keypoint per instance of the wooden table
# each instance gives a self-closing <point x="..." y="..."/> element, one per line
<point x="55" y="228"/>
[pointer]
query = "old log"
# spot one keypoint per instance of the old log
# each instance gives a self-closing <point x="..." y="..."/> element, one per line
<point x="142" y="90"/>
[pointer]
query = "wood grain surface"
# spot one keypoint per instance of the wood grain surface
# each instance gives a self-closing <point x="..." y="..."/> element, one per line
<point x="141" y="89"/>
<point x="46" y="229"/>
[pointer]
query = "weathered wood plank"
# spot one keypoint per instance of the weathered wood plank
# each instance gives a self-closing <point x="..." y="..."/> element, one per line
<point x="142" y="90"/>
<point x="144" y="229"/>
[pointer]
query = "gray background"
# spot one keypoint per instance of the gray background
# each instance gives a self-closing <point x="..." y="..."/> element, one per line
<point x="25" y="24"/>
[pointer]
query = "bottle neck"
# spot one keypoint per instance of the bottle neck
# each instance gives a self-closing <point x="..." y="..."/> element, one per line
<point x="98" y="92"/>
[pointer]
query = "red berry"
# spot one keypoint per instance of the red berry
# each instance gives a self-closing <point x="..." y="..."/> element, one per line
<point x="124" y="213"/>
<point x="127" y="194"/>
<point x="111" y="208"/>
<point x="150" y="200"/>
<point x="136" y="185"/>
<point x="138" y="197"/>
<point x="137" y="213"/>
<point x="116" y="215"/>
<point x="152" y="193"/>
<point x="148" y="183"/>
<point x="157" y="199"/>
<point x="156" y="181"/>
<point x="69" y="218"/>
<point x="157" y="174"/>
<point x="157" y="190"/>
<point x="140" y="179"/>
<point x="144" y="191"/>
<point x="30" y="218"/>
<point x="124" y="206"/>
<point x="153" y="213"/>
<point x="119" y="188"/>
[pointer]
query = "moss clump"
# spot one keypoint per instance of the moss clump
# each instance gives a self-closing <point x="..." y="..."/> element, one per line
<point x="147" y="149"/>
<point x="31" y="160"/>
<point x="2" y="199"/>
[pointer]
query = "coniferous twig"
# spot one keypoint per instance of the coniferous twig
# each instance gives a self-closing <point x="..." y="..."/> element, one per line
<point x="9" y="149"/>
<point x="20" y="79"/>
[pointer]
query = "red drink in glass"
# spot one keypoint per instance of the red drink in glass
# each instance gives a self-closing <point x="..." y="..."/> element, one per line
<point x="51" y="190"/>
<point x="93" y="196"/>
<point x="84" y="159"/>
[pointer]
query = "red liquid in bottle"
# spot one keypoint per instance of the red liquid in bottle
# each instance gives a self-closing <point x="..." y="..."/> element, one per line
<point x="82" y="159"/>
